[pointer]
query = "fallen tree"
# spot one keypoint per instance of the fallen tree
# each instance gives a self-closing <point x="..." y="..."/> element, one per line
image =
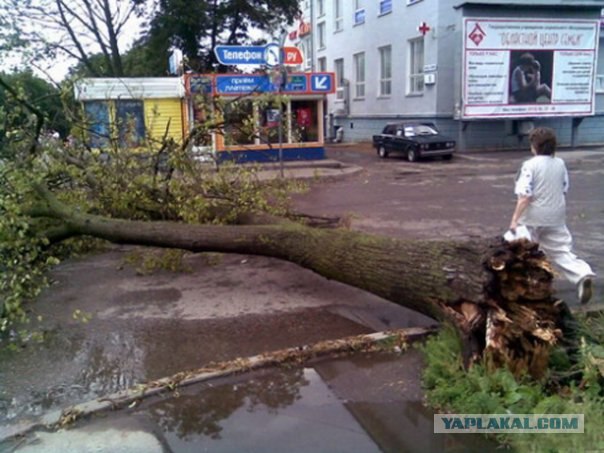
<point x="497" y="295"/>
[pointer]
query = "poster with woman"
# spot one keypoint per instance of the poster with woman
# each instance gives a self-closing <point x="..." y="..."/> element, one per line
<point x="526" y="68"/>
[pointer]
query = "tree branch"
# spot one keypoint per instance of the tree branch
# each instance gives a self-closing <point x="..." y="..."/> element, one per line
<point x="33" y="109"/>
<point x="83" y="56"/>
<point x="113" y="44"/>
<point x="94" y="29"/>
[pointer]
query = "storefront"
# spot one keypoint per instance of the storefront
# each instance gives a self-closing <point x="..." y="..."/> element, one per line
<point x="238" y="117"/>
<point x="132" y="112"/>
<point x="247" y="117"/>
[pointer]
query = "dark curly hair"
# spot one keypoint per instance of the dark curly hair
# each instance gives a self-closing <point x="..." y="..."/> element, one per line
<point x="543" y="140"/>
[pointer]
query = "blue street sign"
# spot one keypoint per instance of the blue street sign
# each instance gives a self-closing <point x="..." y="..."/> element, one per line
<point x="234" y="55"/>
<point x="200" y="84"/>
<point x="241" y="84"/>
<point x="297" y="83"/>
<point x="321" y="83"/>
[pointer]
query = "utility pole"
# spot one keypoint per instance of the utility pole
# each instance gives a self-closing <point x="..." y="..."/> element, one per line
<point x="282" y="81"/>
<point x="281" y="75"/>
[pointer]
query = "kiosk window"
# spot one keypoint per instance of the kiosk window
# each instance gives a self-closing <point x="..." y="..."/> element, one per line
<point x="305" y="121"/>
<point x="130" y="122"/>
<point x="269" y="124"/>
<point x="98" y="128"/>
<point x="239" y="128"/>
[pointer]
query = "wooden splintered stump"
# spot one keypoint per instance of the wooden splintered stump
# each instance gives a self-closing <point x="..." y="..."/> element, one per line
<point x="523" y="319"/>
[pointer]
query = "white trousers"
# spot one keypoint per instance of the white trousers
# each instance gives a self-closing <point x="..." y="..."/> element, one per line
<point x="557" y="243"/>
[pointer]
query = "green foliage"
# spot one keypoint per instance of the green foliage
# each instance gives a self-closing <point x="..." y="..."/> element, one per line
<point x="14" y="116"/>
<point x="23" y="262"/>
<point x="451" y="388"/>
<point x="148" y="262"/>
<point x="147" y="58"/>
<point x="81" y="316"/>
<point x="26" y="254"/>
<point x="159" y="180"/>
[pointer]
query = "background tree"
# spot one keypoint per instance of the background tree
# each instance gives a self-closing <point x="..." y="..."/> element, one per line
<point x="44" y="96"/>
<point x="70" y="29"/>
<point x="197" y="26"/>
<point x="148" y="57"/>
<point x="95" y="33"/>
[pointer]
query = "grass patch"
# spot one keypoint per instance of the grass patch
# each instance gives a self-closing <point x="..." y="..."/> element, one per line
<point x="571" y="387"/>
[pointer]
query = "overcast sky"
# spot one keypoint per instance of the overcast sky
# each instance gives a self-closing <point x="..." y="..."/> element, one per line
<point x="56" y="70"/>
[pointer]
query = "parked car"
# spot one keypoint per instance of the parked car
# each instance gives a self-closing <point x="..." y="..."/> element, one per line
<point x="415" y="139"/>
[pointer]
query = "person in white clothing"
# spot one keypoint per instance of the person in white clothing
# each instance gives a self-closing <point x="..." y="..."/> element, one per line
<point x="541" y="186"/>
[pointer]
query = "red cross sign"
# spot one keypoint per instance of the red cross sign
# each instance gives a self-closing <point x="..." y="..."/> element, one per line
<point x="423" y="28"/>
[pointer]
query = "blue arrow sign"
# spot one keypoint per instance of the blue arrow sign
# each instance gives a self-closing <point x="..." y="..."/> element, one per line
<point x="321" y="83"/>
<point x="233" y="55"/>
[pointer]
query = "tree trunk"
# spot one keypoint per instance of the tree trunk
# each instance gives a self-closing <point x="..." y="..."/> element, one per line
<point x="498" y="296"/>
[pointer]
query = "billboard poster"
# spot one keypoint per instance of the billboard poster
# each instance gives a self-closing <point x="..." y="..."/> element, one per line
<point x="528" y="68"/>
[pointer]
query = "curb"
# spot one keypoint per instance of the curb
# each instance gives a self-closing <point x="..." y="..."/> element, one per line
<point x="388" y="340"/>
<point x="312" y="173"/>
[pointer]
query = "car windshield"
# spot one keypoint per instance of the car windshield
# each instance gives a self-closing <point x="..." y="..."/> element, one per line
<point x="419" y="129"/>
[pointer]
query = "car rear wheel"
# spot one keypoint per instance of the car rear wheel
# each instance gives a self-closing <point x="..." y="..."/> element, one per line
<point x="382" y="152"/>
<point x="412" y="155"/>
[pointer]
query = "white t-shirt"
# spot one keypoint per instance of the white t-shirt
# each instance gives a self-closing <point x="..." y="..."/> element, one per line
<point x="545" y="180"/>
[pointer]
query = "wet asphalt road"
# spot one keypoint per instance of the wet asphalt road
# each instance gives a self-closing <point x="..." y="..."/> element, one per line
<point x="470" y="196"/>
<point x="146" y="327"/>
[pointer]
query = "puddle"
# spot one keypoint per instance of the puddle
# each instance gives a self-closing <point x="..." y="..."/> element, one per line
<point x="366" y="403"/>
<point x="90" y="361"/>
<point x="363" y="403"/>
<point x="67" y="369"/>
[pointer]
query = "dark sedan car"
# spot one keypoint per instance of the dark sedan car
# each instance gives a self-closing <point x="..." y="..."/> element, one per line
<point x="416" y="140"/>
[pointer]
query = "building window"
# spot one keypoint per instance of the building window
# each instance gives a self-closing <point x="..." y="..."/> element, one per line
<point x="322" y="64"/>
<point x="385" y="71"/>
<point x="416" y="66"/>
<point x="321" y="35"/>
<point x="98" y="123"/>
<point x="306" y="55"/>
<point x="339" y="70"/>
<point x="320" y="8"/>
<point x="385" y="6"/>
<point x="238" y="130"/>
<point x="599" y="83"/>
<point x="304" y="121"/>
<point x="130" y="122"/>
<point x="338" y="15"/>
<point x="359" y="75"/>
<point x="359" y="12"/>
<point x="600" y="70"/>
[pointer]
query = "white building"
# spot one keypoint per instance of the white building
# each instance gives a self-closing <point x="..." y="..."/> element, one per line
<point x="451" y="62"/>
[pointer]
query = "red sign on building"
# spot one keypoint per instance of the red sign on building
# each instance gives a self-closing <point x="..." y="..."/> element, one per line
<point x="304" y="29"/>
<point x="292" y="56"/>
